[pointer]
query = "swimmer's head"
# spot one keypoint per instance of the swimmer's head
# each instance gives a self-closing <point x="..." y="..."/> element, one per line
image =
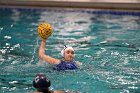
<point x="66" y="47"/>
<point x="41" y="82"/>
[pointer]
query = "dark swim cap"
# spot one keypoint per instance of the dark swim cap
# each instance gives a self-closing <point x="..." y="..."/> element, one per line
<point x="41" y="81"/>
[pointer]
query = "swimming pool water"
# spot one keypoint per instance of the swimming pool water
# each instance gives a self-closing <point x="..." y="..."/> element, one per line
<point x="106" y="42"/>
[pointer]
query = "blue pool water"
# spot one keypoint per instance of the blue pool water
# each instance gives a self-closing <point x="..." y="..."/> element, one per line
<point x="106" y="42"/>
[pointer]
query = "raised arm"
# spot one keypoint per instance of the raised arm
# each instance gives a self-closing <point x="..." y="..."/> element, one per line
<point x="45" y="57"/>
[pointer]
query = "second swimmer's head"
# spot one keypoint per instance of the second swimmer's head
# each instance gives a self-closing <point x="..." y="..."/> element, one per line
<point x="41" y="82"/>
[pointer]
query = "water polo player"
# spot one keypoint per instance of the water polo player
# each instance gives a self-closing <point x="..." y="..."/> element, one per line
<point x="67" y="63"/>
<point x="42" y="84"/>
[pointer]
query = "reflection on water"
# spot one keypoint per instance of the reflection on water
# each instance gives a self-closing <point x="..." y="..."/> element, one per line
<point x="107" y="45"/>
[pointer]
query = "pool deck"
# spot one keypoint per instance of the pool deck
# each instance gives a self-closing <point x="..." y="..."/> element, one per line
<point x="97" y="4"/>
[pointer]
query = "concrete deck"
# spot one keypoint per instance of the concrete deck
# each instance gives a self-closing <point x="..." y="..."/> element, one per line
<point x="97" y="4"/>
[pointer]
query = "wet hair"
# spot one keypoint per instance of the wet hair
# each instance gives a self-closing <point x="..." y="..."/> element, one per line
<point x="42" y="83"/>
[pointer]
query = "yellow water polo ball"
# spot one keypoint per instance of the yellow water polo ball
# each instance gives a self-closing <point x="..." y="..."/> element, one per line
<point x="44" y="30"/>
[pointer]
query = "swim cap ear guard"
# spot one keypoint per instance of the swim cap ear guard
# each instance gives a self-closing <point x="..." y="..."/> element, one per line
<point x="41" y="81"/>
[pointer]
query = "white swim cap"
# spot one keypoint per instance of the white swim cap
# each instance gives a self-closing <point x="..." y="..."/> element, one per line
<point x="66" y="47"/>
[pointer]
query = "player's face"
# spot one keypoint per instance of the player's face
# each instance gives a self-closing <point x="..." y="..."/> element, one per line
<point x="69" y="55"/>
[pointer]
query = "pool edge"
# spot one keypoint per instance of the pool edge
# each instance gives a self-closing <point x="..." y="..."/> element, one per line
<point x="103" y="4"/>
